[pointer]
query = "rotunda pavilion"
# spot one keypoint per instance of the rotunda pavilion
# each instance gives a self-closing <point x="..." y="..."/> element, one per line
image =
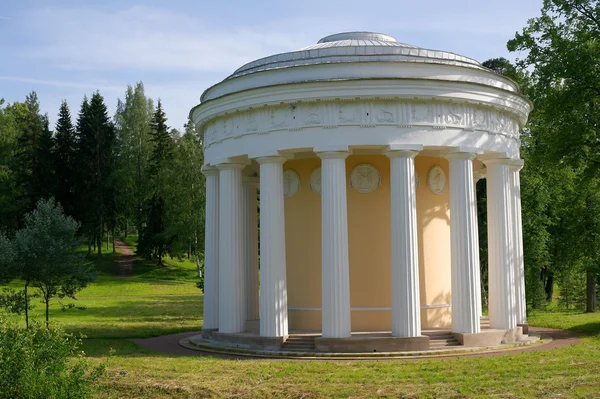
<point x="365" y="153"/>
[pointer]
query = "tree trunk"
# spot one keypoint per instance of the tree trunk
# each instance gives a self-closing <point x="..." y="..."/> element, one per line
<point x="26" y="305"/>
<point x="590" y="297"/>
<point x="107" y="239"/>
<point x="113" y="240"/>
<point x="47" y="306"/>
<point x="99" y="242"/>
<point x="126" y="227"/>
<point x="549" y="287"/>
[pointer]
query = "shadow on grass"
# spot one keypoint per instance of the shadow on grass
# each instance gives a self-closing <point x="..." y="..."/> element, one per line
<point x="118" y="347"/>
<point x="592" y="328"/>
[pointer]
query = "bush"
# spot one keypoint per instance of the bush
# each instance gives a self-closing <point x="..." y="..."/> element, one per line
<point x="42" y="363"/>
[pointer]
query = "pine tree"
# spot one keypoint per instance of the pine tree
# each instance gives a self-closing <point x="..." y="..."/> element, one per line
<point x="95" y="162"/>
<point x="43" y="183"/>
<point x="163" y="143"/>
<point x="155" y="241"/>
<point x="83" y="152"/>
<point x="64" y="158"/>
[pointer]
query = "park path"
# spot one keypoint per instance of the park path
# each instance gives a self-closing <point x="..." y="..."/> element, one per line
<point x="124" y="261"/>
<point x="170" y="344"/>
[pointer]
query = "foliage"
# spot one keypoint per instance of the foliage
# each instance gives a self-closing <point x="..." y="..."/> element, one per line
<point x="95" y="163"/>
<point x="16" y="301"/>
<point x="185" y="201"/>
<point x="46" y="252"/>
<point x="64" y="156"/>
<point x="133" y="128"/>
<point x="7" y="260"/>
<point x="37" y="363"/>
<point x="563" y="54"/>
<point x="155" y="240"/>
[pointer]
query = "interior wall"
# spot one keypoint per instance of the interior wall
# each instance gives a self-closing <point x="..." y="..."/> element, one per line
<point x="369" y="248"/>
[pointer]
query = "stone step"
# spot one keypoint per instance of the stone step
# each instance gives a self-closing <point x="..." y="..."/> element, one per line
<point x="310" y="343"/>
<point x="297" y="348"/>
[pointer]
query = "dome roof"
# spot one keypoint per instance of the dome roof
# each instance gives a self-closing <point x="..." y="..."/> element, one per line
<point x="355" y="47"/>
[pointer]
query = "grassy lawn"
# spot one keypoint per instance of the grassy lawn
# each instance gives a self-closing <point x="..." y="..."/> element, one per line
<point x="151" y="304"/>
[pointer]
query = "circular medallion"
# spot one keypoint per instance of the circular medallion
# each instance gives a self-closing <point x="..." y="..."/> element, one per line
<point x="291" y="183"/>
<point x="315" y="180"/>
<point x="436" y="179"/>
<point x="365" y="178"/>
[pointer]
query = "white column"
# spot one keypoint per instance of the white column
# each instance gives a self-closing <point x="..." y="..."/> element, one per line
<point x="500" y="246"/>
<point x="334" y="246"/>
<point x="211" y="249"/>
<point x="519" y="266"/>
<point x="406" y="309"/>
<point x="273" y="284"/>
<point x="249" y="193"/>
<point x="466" y="297"/>
<point x="232" y="317"/>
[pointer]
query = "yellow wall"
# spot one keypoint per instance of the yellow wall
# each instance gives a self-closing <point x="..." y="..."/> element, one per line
<point x="369" y="247"/>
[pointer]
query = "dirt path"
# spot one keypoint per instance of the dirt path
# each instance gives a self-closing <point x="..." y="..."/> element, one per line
<point x="124" y="264"/>
<point x="170" y="344"/>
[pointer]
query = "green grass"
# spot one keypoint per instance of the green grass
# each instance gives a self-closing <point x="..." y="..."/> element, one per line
<point x="121" y="308"/>
<point x="174" y="269"/>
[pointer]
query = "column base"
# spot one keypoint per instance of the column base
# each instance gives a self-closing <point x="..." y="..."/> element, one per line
<point x="490" y="337"/>
<point x="363" y="344"/>
<point x="207" y="332"/>
<point x="525" y="328"/>
<point x="253" y="326"/>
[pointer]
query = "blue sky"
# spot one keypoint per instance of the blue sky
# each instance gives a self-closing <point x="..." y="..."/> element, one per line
<point x="64" y="49"/>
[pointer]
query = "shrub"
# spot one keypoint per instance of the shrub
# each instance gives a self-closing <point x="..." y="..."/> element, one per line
<point x="43" y="363"/>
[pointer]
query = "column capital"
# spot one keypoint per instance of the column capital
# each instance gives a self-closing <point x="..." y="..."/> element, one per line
<point x="271" y="159"/>
<point x="461" y="152"/>
<point x="501" y="160"/>
<point x="333" y="154"/>
<point x="401" y="154"/>
<point x="208" y="170"/>
<point x="231" y="166"/>
<point x="516" y="165"/>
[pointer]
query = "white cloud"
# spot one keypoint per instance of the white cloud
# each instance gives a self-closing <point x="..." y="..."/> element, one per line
<point x="149" y="39"/>
<point x="62" y="84"/>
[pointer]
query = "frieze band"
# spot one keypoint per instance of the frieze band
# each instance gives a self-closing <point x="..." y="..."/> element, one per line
<point x="365" y="114"/>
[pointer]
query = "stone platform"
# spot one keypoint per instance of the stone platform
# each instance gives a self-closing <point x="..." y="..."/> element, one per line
<point x="307" y="343"/>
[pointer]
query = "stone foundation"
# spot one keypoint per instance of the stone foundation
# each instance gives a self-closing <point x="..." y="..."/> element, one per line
<point x="490" y="337"/>
<point x="246" y="340"/>
<point x="356" y="344"/>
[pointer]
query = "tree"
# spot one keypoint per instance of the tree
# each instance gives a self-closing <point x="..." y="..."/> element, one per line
<point x="44" y="184"/>
<point x="10" y="206"/>
<point x="133" y="132"/>
<point x="155" y="241"/>
<point x="46" y="254"/>
<point x="563" y="51"/>
<point x="96" y="164"/>
<point x="185" y="200"/>
<point x="32" y="140"/>
<point x="64" y="158"/>
<point x="7" y="257"/>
